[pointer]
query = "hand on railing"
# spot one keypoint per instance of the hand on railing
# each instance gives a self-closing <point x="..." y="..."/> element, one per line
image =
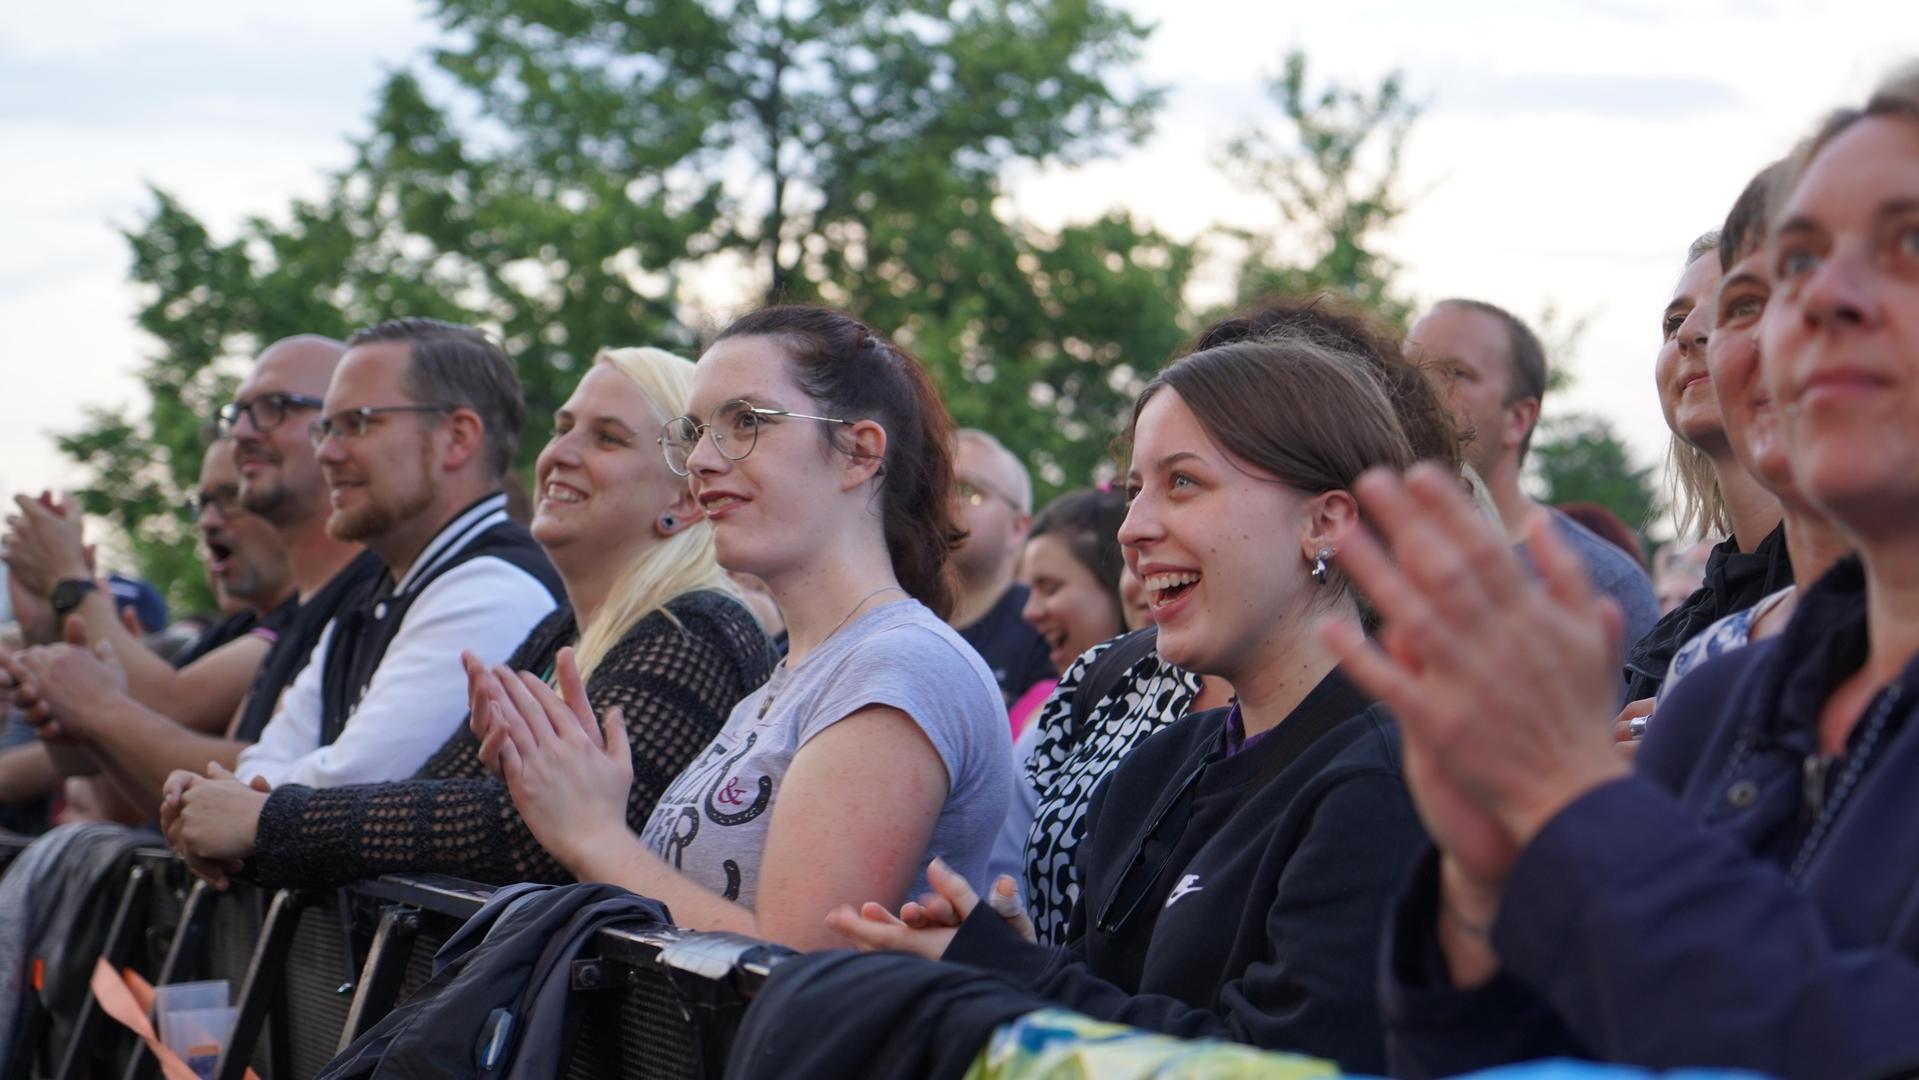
<point x="212" y="820"/>
<point x="926" y="927"/>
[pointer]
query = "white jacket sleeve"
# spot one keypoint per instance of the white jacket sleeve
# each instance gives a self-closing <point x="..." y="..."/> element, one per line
<point x="418" y="693"/>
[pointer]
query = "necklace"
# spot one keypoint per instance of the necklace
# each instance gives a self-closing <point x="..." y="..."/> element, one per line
<point x="768" y="702"/>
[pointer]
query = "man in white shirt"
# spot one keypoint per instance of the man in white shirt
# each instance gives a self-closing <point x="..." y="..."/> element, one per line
<point x="419" y="427"/>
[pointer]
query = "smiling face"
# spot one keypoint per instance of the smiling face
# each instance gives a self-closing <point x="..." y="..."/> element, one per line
<point x="1746" y="407"/>
<point x="279" y="475"/>
<point x="1217" y="545"/>
<point x="1839" y="343"/>
<point x="1065" y="600"/>
<point x="1680" y="373"/>
<point x="382" y="480"/>
<point x="775" y="507"/>
<point x="601" y="478"/>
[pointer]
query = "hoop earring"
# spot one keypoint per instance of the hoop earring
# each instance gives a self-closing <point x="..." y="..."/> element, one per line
<point x="1319" y="565"/>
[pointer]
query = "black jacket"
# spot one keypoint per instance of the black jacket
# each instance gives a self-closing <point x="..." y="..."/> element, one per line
<point x="1717" y="909"/>
<point x="1237" y="897"/>
<point x="1734" y="581"/>
<point x="497" y="1004"/>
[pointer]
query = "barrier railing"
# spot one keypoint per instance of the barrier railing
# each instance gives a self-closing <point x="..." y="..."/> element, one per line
<point x="317" y="969"/>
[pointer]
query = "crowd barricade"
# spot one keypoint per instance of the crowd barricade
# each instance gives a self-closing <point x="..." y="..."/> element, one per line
<point x="312" y="971"/>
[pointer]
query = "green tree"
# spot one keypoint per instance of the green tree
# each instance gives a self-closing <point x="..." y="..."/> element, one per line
<point x="1580" y="458"/>
<point x="587" y="156"/>
<point x="1332" y="169"/>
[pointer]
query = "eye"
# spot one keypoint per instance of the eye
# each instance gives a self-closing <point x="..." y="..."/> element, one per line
<point x="1741" y="309"/>
<point x="609" y="438"/>
<point x="1132" y="492"/>
<point x="1908" y="241"/>
<point x="1794" y="263"/>
<point x="1181" y="480"/>
<point x="1674" y="320"/>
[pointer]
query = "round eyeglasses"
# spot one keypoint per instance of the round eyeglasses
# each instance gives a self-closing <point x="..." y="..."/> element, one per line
<point x="268" y="411"/>
<point x="735" y="427"/>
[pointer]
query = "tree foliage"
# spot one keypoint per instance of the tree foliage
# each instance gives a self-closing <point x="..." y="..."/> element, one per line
<point x="560" y="169"/>
<point x="1332" y="168"/>
<point x="1580" y="458"/>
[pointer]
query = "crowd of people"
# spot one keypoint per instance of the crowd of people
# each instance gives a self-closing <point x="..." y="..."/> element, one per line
<point x="1313" y="732"/>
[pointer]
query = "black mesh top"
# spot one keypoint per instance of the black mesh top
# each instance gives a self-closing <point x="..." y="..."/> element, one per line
<point x="674" y="684"/>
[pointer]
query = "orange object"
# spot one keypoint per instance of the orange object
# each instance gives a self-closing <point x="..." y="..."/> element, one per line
<point x="128" y="998"/>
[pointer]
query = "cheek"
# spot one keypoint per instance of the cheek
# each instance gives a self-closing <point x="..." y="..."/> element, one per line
<point x="1663" y="369"/>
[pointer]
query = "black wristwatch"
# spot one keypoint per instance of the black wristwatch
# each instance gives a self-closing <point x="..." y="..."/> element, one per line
<point x="67" y="595"/>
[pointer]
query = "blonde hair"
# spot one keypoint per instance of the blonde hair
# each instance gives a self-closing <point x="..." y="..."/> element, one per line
<point x="676" y="565"/>
<point x="1698" y="505"/>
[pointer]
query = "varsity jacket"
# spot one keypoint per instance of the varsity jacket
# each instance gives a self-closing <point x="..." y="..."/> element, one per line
<point x="1234" y="895"/>
<point x="384" y="687"/>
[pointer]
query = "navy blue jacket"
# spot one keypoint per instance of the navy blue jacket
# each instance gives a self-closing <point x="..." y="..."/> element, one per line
<point x="1722" y="907"/>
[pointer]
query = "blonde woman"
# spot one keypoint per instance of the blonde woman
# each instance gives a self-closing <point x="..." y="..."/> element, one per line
<point x="657" y="628"/>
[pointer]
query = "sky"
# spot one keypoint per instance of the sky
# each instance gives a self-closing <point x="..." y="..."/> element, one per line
<point x="1568" y="153"/>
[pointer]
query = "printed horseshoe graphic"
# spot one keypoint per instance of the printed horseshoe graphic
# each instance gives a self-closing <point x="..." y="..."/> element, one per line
<point x="732" y="795"/>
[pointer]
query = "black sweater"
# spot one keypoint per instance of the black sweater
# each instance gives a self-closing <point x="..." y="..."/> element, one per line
<point x="1259" y="904"/>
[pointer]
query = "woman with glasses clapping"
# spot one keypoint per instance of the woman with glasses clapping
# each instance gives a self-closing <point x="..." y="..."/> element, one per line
<point x="820" y="454"/>
<point x="1237" y="865"/>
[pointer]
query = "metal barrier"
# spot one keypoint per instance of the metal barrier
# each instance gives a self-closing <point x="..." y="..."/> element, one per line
<point x="316" y="970"/>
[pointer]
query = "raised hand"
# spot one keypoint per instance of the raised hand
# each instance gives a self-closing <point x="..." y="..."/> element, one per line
<point x="44" y="545"/>
<point x="1507" y="681"/>
<point x="568" y="771"/>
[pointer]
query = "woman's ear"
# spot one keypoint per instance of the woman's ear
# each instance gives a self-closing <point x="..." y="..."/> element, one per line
<point x="867" y="453"/>
<point x="1331" y="516"/>
<point x="684" y="510"/>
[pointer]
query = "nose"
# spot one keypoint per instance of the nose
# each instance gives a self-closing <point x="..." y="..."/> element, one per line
<point x="331" y="450"/>
<point x="1694" y="331"/>
<point x="1837" y="293"/>
<point x="1142" y="525"/>
<point x="1034" y="609"/>
<point x="706" y="458"/>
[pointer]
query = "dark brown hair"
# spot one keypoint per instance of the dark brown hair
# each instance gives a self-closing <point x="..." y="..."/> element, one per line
<point x="854" y="373"/>
<point x="1745" y="227"/>
<point x="1334" y="321"/>
<point x="1088" y="520"/>
<point x="1311" y="415"/>
<point x="450" y="364"/>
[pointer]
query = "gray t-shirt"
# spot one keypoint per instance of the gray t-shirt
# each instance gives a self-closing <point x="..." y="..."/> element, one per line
<point x="1616" y="574"/>
<point x="711" y="823"/>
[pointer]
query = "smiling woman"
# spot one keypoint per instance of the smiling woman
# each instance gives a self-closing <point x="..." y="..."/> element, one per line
<point x="819" y="453"/>
<point x="1237" y="863"/>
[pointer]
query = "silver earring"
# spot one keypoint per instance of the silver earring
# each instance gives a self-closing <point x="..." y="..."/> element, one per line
<point x="669" y="522"/>
<point x="1319" y="565"/>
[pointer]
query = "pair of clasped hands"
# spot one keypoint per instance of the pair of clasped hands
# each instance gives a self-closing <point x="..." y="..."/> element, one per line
<point x="1503" y="683"/>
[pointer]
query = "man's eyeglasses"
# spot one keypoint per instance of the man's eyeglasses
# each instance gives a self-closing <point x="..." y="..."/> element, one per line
<point x="735" y="427"/>
<point x="349" y="424"/>
<point x="225" y="499"/>
<point x="266" y="412"/>
<point x="975" y="494"/>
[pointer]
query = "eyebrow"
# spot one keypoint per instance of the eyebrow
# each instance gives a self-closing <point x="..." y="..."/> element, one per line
<point x="1896" y="207"/>
<point x="1175" y="458"/>
<point x="1678" y="302"/>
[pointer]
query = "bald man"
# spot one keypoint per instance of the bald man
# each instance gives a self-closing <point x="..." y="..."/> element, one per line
<point x="995" y="497"/>
<point x="279" y="481"/>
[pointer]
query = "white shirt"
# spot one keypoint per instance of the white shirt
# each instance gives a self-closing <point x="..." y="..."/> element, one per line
<point x="417" y="697"/>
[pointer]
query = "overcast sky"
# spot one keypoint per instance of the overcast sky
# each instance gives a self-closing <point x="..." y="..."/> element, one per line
<point x="1570" y="151"/>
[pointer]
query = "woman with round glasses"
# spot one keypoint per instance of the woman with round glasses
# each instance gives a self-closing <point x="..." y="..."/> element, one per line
<point x="653" y="628"/>
<point x="821" y="455"/>
<point x="1237" y="864"/>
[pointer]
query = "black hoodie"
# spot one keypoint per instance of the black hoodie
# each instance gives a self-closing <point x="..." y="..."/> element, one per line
<point x="1237" y="896"/>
